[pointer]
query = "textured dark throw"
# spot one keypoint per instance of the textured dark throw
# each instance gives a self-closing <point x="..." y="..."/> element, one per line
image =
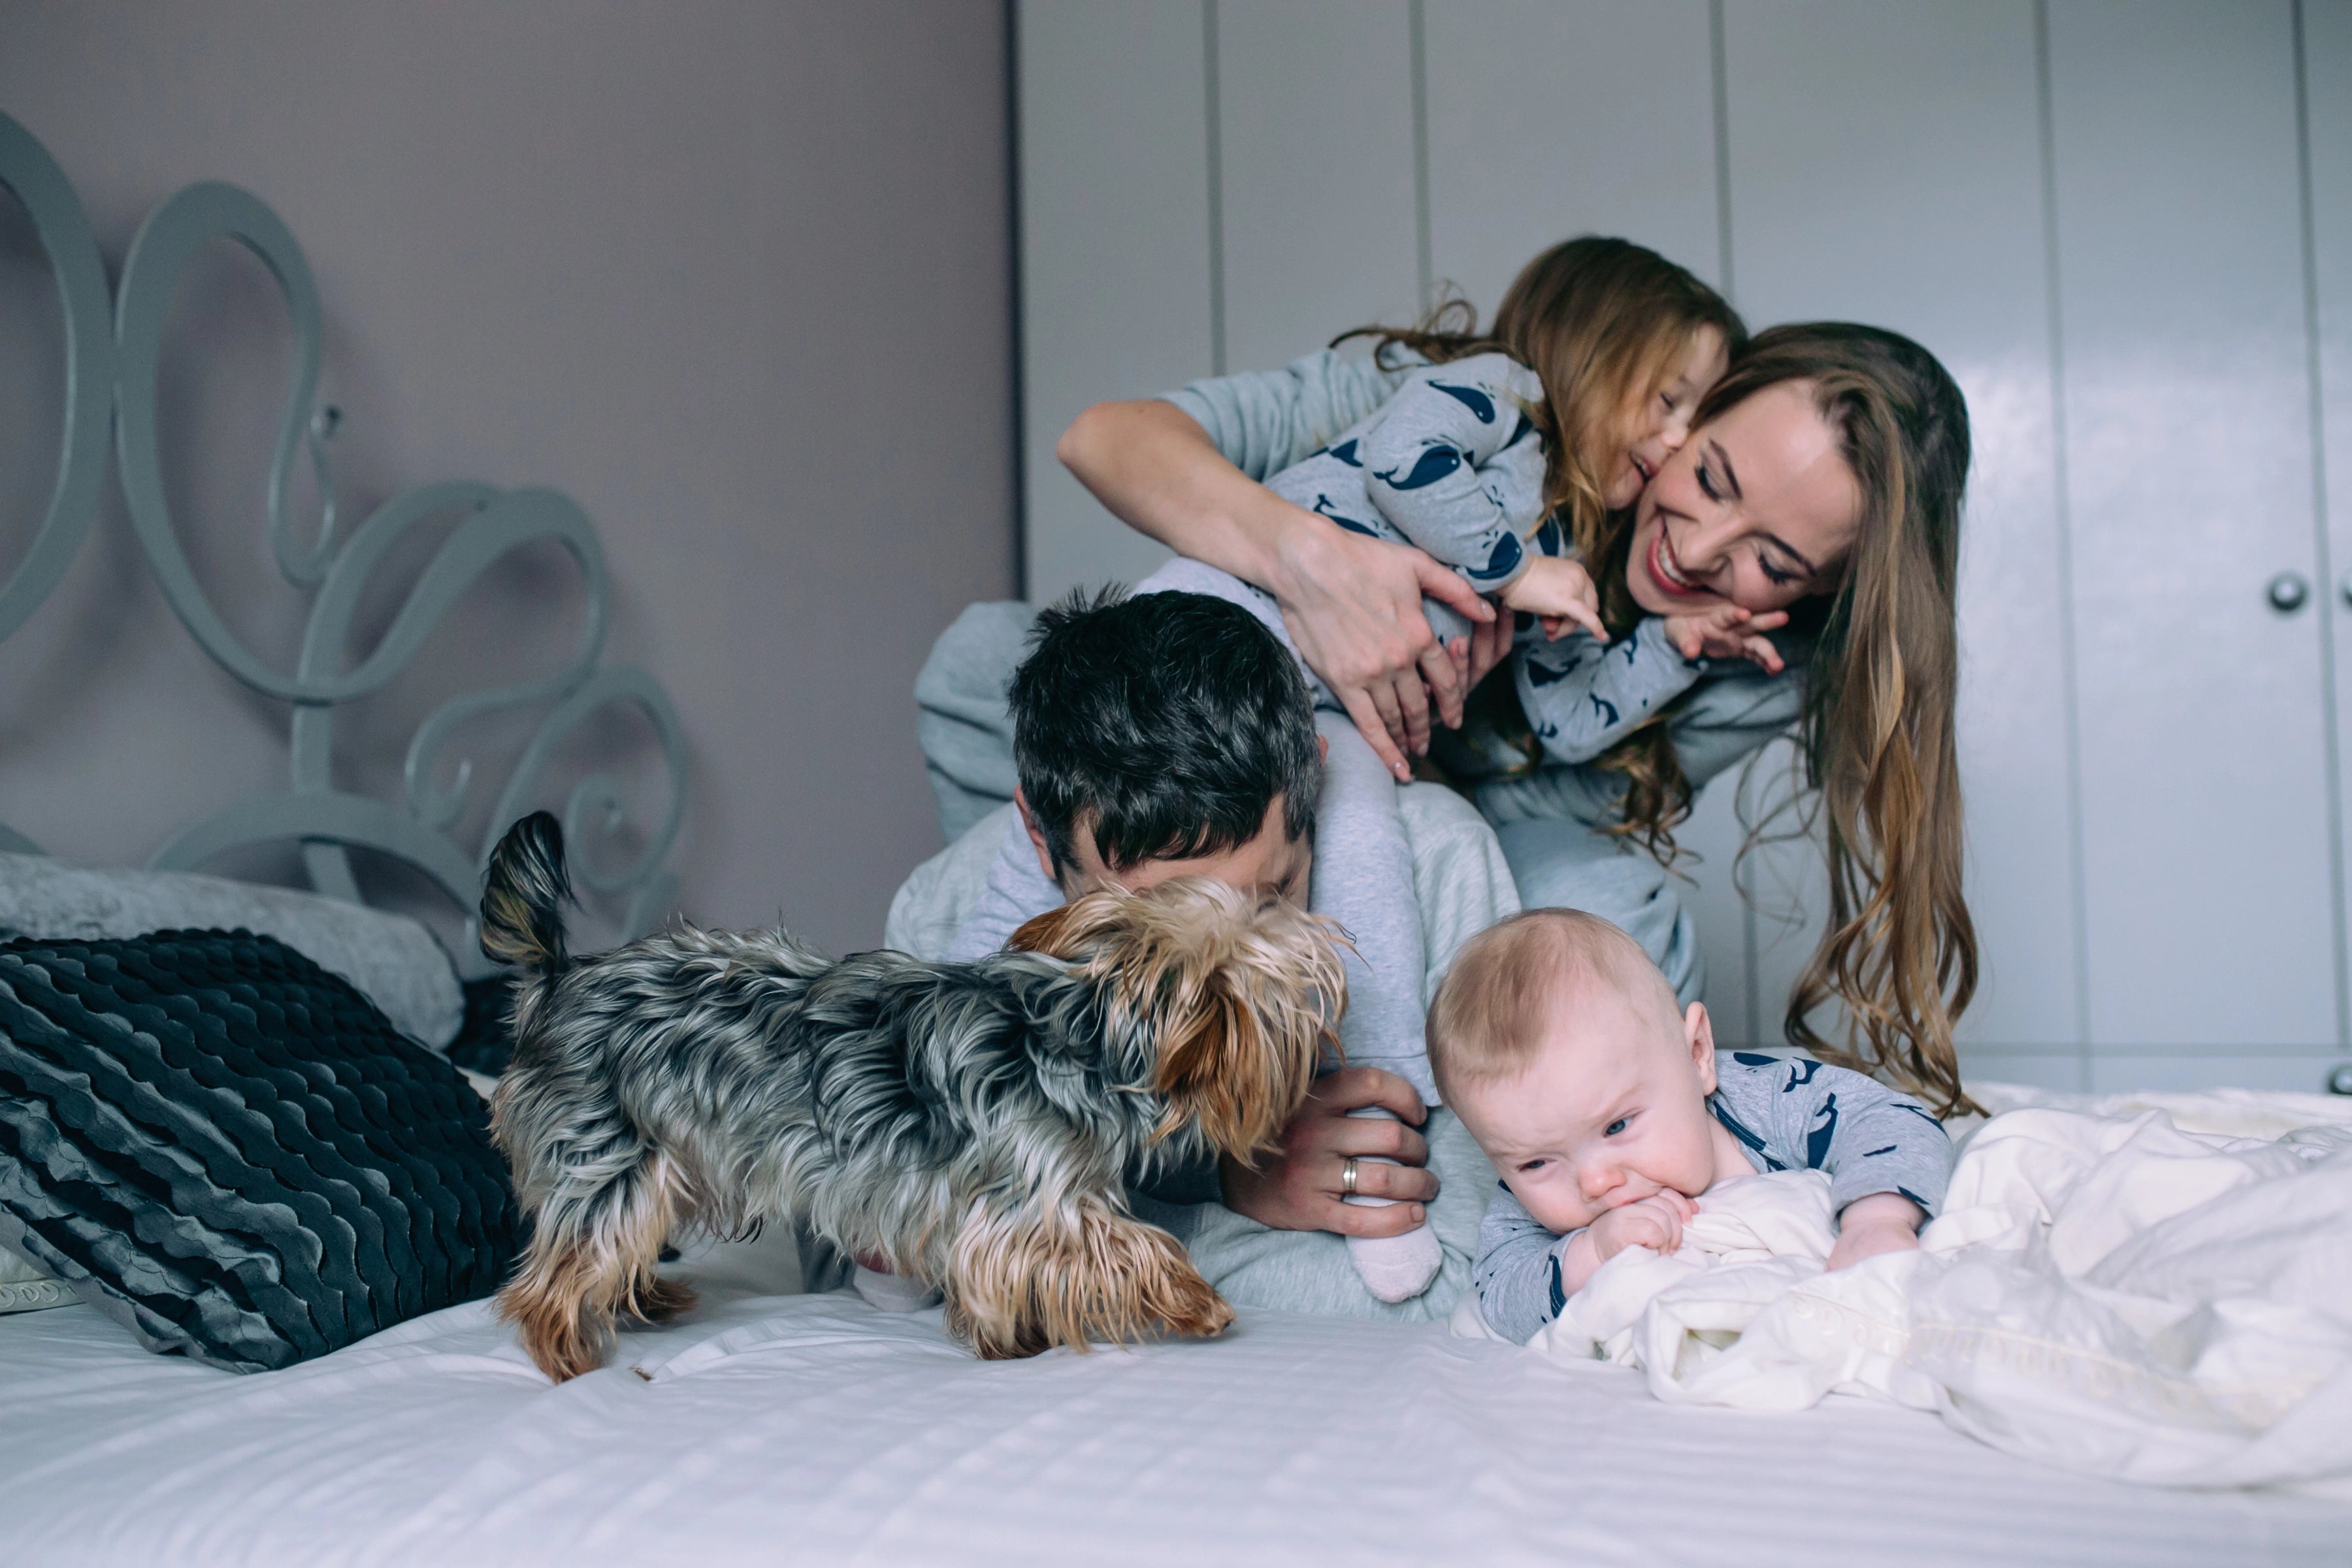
<point x="232" y="1152"/>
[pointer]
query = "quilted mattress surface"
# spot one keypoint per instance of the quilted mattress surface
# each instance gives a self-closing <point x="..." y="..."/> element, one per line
<point x="772" y="1428"/>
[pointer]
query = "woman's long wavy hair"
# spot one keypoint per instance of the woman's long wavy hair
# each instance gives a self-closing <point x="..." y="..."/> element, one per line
<point x="1603" y="323"/>
<point x="1876" y="730"/>
<point x="1876" y="734"/>
<point x="1600" y="321"/>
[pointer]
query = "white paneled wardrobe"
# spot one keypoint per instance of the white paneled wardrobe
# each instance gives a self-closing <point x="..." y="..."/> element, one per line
<point x="2125" y="225"/>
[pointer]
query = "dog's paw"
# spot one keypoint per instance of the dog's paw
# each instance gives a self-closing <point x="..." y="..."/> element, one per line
<point x="1198" y="1312"/>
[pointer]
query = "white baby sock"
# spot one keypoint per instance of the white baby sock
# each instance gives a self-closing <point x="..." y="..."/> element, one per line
<point x="890" y="1293"/>
<point x="1392" y="1267"/>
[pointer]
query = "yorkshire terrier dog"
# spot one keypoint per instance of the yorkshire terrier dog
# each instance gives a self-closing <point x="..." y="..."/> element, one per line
<point x="975" y="1125"/>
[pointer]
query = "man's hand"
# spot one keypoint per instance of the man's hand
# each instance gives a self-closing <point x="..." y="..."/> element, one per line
<point x="1488" y="644"/>
<point x="1882" y="1222"/>
<point x="1726" y="631"/>
<point x="1297" y="1187"/>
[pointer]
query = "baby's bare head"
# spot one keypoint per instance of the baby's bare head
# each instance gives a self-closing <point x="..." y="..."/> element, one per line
<point x="1563" y="1050"/>
<point x="1511" y="985"/>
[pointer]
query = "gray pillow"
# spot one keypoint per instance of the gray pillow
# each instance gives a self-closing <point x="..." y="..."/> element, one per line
<point x="393" y="960"/>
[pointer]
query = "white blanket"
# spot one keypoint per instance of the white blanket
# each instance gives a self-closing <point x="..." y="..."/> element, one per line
<point x="2108" y="1292"/>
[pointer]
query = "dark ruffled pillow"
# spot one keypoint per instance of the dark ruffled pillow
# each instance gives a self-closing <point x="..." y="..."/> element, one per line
<point x="231" y="1151"/>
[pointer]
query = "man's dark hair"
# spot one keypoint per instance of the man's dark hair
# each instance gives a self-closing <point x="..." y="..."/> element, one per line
<point x="1168" y="720"/>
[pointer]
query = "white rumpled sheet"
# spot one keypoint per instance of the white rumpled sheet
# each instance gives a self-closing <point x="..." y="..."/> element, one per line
<point x="2105" y="1292"/>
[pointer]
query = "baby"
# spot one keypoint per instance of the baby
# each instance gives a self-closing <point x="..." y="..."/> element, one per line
<point x="1607" y="1112"/>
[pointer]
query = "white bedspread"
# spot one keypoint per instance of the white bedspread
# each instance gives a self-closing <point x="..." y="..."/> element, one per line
<point x="780" y="1429"/>
<point x="2105" y="1292"/>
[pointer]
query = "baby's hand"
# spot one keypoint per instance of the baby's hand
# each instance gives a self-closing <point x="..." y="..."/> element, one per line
<point x="1655" y="1222"/>
<point x="1882" y="1222"/>
<point x="1726" y="631"/>
<point x="1559" y="592"/>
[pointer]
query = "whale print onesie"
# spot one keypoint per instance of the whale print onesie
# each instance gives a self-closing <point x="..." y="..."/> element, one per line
<point x="1788" y="1113"/>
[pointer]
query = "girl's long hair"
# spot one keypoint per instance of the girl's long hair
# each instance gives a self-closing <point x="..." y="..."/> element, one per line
<point x="1603" y="323"/>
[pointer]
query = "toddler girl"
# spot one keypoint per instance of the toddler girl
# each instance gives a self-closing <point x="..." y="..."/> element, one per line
<point x="1495" y="456"/>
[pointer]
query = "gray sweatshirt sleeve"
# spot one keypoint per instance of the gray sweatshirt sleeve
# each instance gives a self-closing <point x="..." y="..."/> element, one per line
<point x="1736" y="710"/>
<point x="1582" y="698"/>
<point x="1017" y="892"/>
<point x="1425" y="455"/>
<point x="1866" y="1137"/>
<point x="1263" y="421"/>
<point x="1518" y="1269"/>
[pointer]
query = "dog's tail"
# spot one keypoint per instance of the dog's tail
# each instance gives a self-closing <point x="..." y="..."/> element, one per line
<point x="523" y="895"/>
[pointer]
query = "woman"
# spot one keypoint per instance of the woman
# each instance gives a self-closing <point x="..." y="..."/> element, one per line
<point x="1822" y="480"/>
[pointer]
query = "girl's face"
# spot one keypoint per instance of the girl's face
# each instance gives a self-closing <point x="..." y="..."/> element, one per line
<point x="1757" y="509"/>
<point x="1656" y="430"/>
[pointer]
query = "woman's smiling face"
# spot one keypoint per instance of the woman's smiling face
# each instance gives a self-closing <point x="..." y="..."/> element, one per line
<point x="1758" y="508"/>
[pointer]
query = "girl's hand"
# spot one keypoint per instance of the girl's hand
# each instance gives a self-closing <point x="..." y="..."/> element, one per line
<point x="1561" y="592"/>
<point x="1353" y="608"/>
<point x="1726" y="631"/>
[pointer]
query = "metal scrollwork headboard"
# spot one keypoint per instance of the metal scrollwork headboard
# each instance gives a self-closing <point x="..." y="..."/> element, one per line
<point x="112" y="350"/>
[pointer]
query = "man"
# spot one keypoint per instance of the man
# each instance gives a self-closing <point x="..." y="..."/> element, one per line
<point x="1165" y="735"/>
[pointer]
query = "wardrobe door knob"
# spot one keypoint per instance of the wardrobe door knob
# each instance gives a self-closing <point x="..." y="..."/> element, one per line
<point x="2346" y="587"/>
<point x="2290" y="590"/>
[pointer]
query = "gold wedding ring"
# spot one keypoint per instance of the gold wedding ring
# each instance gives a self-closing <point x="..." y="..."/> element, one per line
<point x="1347" y="1176"/>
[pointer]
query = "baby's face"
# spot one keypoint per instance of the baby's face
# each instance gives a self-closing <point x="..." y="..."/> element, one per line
<point x="1611" y="1111"/>
<point x="1656" y="430"/>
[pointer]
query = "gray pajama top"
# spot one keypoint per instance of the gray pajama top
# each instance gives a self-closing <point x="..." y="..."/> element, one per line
<point x="1789" y="1113"/>
<point x="1451" y="462"/>
<point x="1441" y="457"/>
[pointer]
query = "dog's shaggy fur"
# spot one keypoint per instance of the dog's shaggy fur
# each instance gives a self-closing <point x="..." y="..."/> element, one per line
<point x="973" y="1123"/>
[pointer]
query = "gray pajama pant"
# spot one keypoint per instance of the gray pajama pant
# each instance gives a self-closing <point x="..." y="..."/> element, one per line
<point x="1363" y="863"/>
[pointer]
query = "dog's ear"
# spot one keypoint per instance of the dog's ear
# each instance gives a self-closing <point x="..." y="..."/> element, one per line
<point x="1065" y="933"/>
<point x="1240" y="993"/>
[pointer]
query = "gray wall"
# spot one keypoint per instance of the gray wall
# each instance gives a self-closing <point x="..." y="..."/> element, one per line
<point x="736" y="276"/>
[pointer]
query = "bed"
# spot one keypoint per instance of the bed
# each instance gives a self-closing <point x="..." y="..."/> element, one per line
<point x="777" y="1424"/>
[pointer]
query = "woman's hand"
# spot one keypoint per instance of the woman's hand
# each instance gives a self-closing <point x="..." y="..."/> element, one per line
<point x="1726" y="631"/>
<point x="1353" y="608"/>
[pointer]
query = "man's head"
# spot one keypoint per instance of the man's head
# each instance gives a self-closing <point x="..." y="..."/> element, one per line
<point x="1564" y="1052"/>
<point x="1164" y="735"/>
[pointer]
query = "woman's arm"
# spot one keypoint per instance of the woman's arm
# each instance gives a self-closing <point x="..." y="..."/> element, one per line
<point x="1352" y="604"/>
